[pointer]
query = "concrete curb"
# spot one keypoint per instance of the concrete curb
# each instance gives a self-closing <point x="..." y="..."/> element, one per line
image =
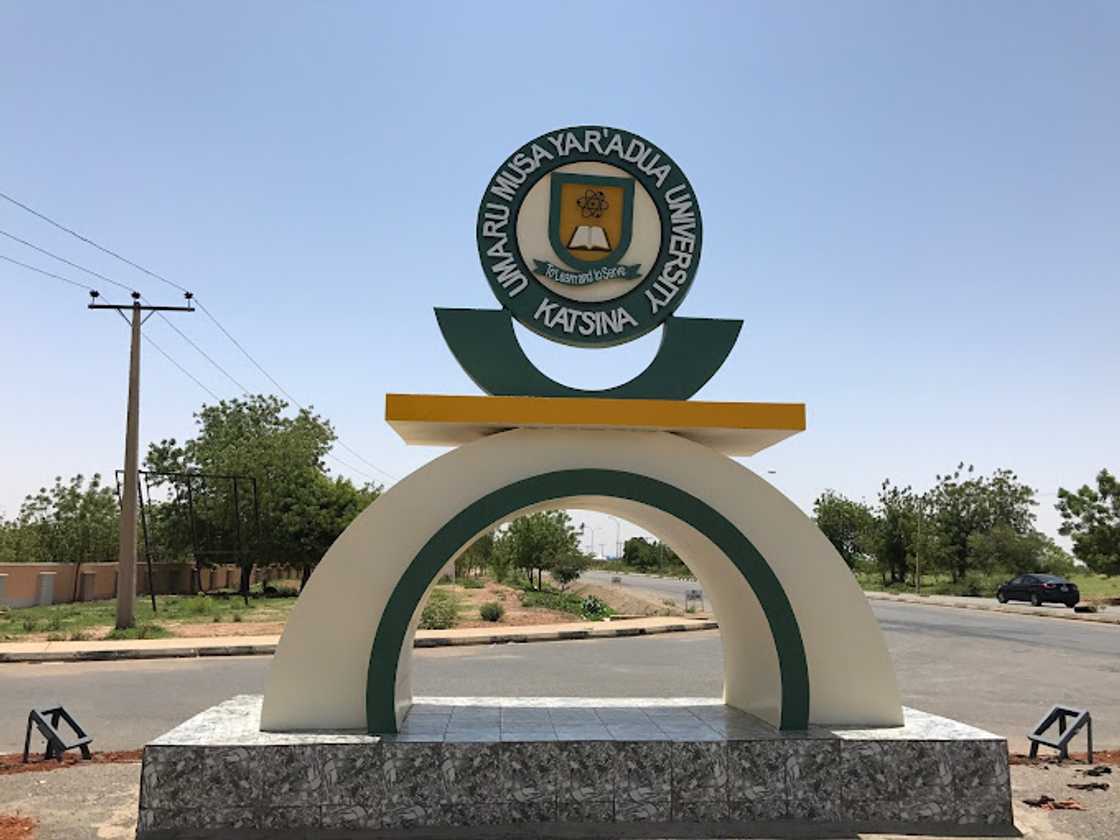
<point x="980" y="606"/>
<point x="189" y="652"/>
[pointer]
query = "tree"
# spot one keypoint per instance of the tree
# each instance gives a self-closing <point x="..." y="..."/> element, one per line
<point x="965" y="513"/>
<point x="71" y="522"/>
<point x="534" y="543"/>
<point x="479" y="555"/>
<point x="849" y="525"/>
<point x="641" y="554"/>
<point x="1091" y="517"/>
<point x="895" y="536"/>
<point x="314" y="514"/>
<point x="638" y="553"/>
<point x="302" y="510"/>
<point x="568" y="565"/>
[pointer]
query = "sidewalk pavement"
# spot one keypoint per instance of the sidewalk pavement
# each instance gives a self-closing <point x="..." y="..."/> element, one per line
<point x="266" y="645"/>
<point x="1108" y="616"/>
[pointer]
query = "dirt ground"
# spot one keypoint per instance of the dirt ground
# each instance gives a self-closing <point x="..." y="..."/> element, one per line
<point x="627" y="601"/>
<point x="617" y="598"/>
<point x="16" y="828"/>
<point x="99" y="802"/>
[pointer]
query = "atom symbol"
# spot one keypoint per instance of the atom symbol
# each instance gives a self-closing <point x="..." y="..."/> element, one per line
<point x="592" y="204"/>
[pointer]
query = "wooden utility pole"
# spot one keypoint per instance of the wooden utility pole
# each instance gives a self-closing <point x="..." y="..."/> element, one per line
<point x="126" y="565"/>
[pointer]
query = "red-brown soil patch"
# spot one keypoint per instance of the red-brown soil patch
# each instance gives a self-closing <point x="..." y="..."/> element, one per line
<point x="16" y="828"/>
<point x="13" y="762"/>
<point x="1099" y="757"/>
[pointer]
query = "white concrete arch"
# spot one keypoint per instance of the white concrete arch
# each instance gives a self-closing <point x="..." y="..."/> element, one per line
<point x="318" y="677"/>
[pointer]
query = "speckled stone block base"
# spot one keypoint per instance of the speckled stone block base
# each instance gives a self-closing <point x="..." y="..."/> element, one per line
<point x="473" y="767"/>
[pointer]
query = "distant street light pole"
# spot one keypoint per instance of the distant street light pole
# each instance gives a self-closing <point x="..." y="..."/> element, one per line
<point x="617" y="536"/>
<point x="126" y="562"/>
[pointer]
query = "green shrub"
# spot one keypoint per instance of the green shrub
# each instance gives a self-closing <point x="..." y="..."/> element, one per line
<point x="440" y="613"/>
<point x="491" y="611"/>
<point x="237" y="618"/>
<point x="56" y="637"/>
<point x="472" y="583"/>
<point x="29" y="625"/>
<point x="79" y="636"/>
<point x="592" y="607"/>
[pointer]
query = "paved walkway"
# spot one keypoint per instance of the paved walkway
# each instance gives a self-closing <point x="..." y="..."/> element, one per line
<point x="256" y="645"/>
<point x="1108" y="616"/>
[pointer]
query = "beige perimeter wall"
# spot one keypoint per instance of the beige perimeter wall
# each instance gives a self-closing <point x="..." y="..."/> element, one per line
<point x="21" y="584"/>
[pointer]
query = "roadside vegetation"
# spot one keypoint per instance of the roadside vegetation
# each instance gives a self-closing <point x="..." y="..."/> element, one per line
<point x="969" y="532"/>
<point x="95" y="619"/>
<point x="250" y="486"/>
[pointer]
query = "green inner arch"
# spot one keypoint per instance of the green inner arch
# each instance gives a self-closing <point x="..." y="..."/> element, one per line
<point x="388" y="643"/>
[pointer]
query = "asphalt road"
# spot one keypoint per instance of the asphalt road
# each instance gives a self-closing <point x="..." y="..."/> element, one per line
<point x="672" y="588"/>
<point x="997" y="671"/>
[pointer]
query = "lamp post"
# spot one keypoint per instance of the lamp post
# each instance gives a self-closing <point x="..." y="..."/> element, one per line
<point x="617" y="536"/>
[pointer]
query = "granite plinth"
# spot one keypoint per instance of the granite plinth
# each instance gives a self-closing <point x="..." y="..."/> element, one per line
<point x="566" y="766"/>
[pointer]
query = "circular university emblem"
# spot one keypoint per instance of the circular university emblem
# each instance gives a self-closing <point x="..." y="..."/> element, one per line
<point x="589" y="235"/>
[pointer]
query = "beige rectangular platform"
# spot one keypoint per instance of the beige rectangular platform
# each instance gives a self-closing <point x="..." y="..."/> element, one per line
<point x="732" y="428"/>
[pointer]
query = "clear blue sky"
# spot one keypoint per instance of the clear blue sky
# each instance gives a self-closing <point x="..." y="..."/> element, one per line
<point x="914" y="206"/>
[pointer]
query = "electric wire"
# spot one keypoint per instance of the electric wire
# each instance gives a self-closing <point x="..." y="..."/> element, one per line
<point x="162" y="316"/>
<point x="182" y="369"/>
<point x="205" y="311"/>
<point x="88" y="241"/>
<point x="170" y="358"/>
<point x="48" y="273"/>
<point x="53" y="255"/>
<point x="145" y="336"/>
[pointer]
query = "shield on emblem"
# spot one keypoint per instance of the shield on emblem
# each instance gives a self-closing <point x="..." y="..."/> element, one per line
<point x="590" y="218"/>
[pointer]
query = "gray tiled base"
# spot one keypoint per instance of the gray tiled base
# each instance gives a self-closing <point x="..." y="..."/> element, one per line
<point x="473" y="766"/>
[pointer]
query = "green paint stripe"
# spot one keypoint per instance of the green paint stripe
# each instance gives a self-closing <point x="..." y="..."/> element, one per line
<point x="484" y="343"/>
<point x="492" y="508"/>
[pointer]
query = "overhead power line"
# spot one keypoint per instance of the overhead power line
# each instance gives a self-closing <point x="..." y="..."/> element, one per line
<point x="170" y="358"/>
<point x="205" y="310"/>
<point x="48" y="273"/>
<point x="182" y="369"/>
<point x="53" y="255"/>
<point x="117" y="283"/>
<point x="88" y="241"/>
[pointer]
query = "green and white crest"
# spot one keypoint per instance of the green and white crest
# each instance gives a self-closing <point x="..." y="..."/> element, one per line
<point x="589" y="235"/>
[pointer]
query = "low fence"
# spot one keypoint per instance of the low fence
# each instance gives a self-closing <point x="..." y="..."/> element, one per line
<point x="35" y="584"/>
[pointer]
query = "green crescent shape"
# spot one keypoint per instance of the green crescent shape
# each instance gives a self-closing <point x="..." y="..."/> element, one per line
<point x="484" y="343"/>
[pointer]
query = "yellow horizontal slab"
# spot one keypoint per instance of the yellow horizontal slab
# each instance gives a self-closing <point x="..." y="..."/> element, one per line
<point x="731" y="428"/>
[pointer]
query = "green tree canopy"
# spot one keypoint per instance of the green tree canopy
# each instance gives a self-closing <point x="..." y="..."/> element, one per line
<point x="537" y="543"/>
<point x="849" y="525"/>
<point x="1091" y="517"/>
<point x="478" y="556"/>
<point x="72" y="521"/>
<point x="966" y="509"/>
<point x="301" y="509"/>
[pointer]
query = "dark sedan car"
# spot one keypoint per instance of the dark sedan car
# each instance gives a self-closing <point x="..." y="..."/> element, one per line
<point x="1039" y="590"/>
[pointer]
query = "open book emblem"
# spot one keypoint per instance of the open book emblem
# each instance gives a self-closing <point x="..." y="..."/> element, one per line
<point x="590" y="219"/>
